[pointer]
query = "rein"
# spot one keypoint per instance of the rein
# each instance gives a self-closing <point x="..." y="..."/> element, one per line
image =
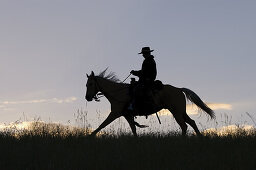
<point x="100" y="94"/>
<point x="127" y="77"/>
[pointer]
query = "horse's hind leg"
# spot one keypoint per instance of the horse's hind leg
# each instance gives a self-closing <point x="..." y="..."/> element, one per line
<point x="192" y="123"/>
<point x="131" y="122"/>
<point x="180" y="120"/>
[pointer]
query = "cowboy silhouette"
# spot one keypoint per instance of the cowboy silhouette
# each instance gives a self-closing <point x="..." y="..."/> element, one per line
<point x="143" y="91"/>
<point x="147" y="74"/>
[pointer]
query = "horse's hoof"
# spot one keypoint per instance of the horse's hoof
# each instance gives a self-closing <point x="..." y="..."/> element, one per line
<point x="200" y="135"/>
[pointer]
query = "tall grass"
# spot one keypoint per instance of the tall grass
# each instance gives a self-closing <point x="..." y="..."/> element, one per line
<point x="42" y="150"/>
<point x="56" y="146"/>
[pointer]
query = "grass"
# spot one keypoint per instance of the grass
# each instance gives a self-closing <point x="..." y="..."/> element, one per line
<point x="53" y="146"/>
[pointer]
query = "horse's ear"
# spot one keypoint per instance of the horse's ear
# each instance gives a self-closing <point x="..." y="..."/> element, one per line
<point x="92" y="74"/>
<point x="87" y="75"/>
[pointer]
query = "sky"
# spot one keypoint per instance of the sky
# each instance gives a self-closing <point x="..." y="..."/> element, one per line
<point x="48" y="46"/>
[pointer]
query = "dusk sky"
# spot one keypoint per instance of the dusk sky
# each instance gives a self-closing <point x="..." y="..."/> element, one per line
<point x="48" y="46"/>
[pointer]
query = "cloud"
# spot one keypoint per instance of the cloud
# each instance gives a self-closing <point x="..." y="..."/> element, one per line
<point x="52" y="100"/>
<point x="230" y="129"/>
<point x="218" y="106"/>
<point x="4" y="108"/>
<point x="15" y="125"/>
<point x="192" y="109"/>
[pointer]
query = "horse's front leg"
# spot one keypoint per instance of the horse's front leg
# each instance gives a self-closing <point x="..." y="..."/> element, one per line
<point x="111" y="117"/>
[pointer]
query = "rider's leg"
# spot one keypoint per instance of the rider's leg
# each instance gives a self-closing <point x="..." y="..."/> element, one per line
<point x="136" y="97"/>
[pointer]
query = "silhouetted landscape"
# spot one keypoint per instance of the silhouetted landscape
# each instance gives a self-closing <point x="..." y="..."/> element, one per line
<point x="54" y="146"/>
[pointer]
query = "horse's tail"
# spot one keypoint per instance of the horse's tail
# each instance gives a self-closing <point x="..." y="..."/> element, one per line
<point x="194" y="98"/>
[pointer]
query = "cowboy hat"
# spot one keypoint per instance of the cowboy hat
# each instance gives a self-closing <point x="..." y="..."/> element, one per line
<point x="145" y="50"/>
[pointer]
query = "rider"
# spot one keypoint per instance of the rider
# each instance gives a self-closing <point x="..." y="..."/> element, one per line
<point x="147" y="76"/>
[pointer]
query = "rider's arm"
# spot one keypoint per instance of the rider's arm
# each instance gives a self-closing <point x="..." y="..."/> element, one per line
<point x="136" y="73"/>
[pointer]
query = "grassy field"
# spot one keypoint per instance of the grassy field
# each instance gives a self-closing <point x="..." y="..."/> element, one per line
<point x="50" y="146"/>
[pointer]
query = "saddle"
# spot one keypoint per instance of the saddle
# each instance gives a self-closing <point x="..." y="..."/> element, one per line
<point x="157" y="85"/>
<point x="143" y="97"/>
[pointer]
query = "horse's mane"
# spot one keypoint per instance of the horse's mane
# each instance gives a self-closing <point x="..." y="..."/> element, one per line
<point x="110" y="76"/>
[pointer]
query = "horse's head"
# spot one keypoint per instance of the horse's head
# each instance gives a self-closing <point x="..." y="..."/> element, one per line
<point x="92" y="88"/>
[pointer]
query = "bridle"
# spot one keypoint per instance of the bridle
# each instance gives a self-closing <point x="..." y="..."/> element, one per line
<point x="98" y="94"/>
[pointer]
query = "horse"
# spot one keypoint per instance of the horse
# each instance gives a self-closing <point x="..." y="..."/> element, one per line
<point x="117" y="93"/>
